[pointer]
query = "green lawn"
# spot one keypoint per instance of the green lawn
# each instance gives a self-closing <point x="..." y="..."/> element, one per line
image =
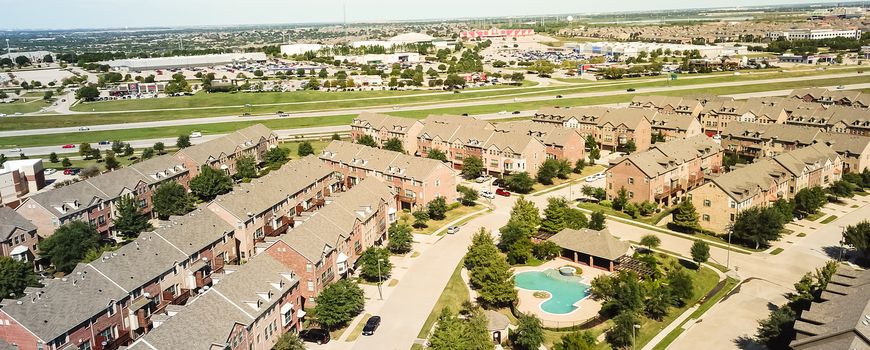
<point x="776" y="251"/>
<point x="22" y="107"/>
<point x="829" y="219"/>
<point x="730" y="283"/>
<point x="454" y="294"/>
<point x="357" y="331"/>
<point x="541" y="189"/>
<point x="815" y="216"/>
<point x="435" y="225"/>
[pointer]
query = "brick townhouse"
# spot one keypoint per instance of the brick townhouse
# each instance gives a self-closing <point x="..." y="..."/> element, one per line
<point x="827" y="97"/>
<point x="719" y="114"/>
<point x="18" y="237"/>
<point x="266" y="206"/>
<point x="18" y="178"/>
<point x="753" y="140"/>
<point x="326" y="245"/>
<point x="108" y="302"/>
<point x="761" y="183"/>
<point x="93" y="200"/>
<point x="838" y="119"/>
<point x="248" y="309"/>
<point x="222" y="152"/>
<point x="666" y="171"/>
<point x="611" y="128"/>
<point x="561" y="143"/>
<point x="502" y="151"/>
<point x="382" y="127"/>
<point x="415" y="180"/>
<point x="674" y="126"/>
<point x="669" y="104"/>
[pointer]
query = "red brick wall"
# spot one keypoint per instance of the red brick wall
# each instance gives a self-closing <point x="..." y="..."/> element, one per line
<point x="15" y="334"/>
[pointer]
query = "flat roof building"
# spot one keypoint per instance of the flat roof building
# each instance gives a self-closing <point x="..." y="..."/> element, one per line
<point x="138" y="64"/>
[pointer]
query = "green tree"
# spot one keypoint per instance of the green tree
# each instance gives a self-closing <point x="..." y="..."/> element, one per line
<point x="448" y="332"/>
<point x="110" y="161"/>
<point x="367" y="140"/>
<point x="658" y="300"/>
<point x="584" y="340"/>
<point x="159" y="147"/>
<point x="276" y="157"/>
<point x="170" y="198"/>
<point x="246" y="167"/>
<point x="519" y="182"/>
<point x="842" y="189"/>
<point x="400" y="237"/>
<point x="621" y="199"/>
<point x="369" y="261"/>
<point x="210" y="183"/>
<point x="65" y="162"/>
<point x="525" y="213"/>
<point x="472" y="167"/>
<point x="394" y="144"/>
<point x="85" y="150"/>
<point x="127" y="151"/>
<point x="15" y="276"/>
<point x="858" y="236"/>
<point x="148" y="153"/>
<point x="685" y="217"/>
<point x="554" y="215"/>
<point x="481" y="251"/>
<point x="183" y="141"/>
<point x="512" y="233"/>
<point x="88" y="93"/>
<point x="680" y="284"/>
<point x="437" y="154"/>
<point x="130" y="221"/>
<point x="776" y="330"/>
<point x="420" y="218"/>
<point x="305" y="148"/>
<point x="578" y="167"/>
<point x="520" y="251"/>
<point x="529" y="334"/>
<point x="597" y="221"/>
<point x="495" y="282"/>
<point x="548" y="170"/>
<point x="289" y="341"/>
<point x="700" y="252"/>
<point x="336" y="137"/>
<point x="52" y="157"/>
<point x="622" y="334"/>
<point x="575" y="219"/>
<point x="808" y="201"/>
<point x="628" y="147"/>
<point x="437" y="208"/>
<point x="338" y="303"/>
<point x="69" y="244"/>
<point x="650" y="241"/>
<point x="546" y="250"/>
<point x="468" y="195"/>
<point x="757" y="226"/>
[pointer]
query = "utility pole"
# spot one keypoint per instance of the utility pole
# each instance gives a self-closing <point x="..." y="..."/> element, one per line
<point x="8" y="49"/>
<point x="380" y="280"/>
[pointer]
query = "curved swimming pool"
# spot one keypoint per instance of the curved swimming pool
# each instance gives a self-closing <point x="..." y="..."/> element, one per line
<point x="564" y="291"/>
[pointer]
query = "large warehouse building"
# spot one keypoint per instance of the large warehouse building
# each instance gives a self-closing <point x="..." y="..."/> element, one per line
<point x="138" y="64"/>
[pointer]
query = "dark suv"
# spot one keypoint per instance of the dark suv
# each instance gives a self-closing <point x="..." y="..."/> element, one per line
<point x="371" y="325"/>
<point x="315" y="335"/>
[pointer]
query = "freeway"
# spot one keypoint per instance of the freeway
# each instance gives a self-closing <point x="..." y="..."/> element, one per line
<point x="476" y="101"/>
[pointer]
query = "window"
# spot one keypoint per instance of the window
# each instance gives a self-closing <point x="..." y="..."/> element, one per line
<point x="309" y="267"/>
<point x="707" y="203"/>
<point x="288" y="317"/>
<point x="706" y="217"/>
<point x="732" y="217"/>
<point x="85" y="346"/>
<point x="310" y="286"/>
<point x="630" y="194"/>
<point x="631" y="181"/>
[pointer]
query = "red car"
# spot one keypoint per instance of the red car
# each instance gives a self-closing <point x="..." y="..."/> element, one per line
<point x="69" y="146"/>
<point x="502" y="192"/>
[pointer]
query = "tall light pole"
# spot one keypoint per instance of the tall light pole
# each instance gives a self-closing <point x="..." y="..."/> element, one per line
<point x="634" y="335"/>
<point x="380" y="280"/>
<point x="728" y="259"/>
<point x="8" y="49"/>
<point x="842" y="242"/>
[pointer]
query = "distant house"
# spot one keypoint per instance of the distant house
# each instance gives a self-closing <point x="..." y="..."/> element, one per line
<point x="18" y="236"/>
<point x="591" y="247"/>
<point x="222" y="152"/>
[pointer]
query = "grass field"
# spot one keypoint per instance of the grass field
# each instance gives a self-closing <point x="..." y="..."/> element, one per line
<point x="705" y="306"/>
<point x="22" y="107"/>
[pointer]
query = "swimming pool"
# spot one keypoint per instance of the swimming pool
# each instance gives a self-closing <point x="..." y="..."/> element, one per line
<point x="565" y="291"/>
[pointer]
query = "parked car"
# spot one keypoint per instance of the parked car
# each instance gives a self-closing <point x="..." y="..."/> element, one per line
<point x="487" y="194"/>
<point x="15" y="150"/>
<point x="69" y="145"/>
<point x="516" y="112"/>
<point x="84" y="128"/>
<point x="195" y="134"/>
<point x="72" y="171"/>
<point x="371" y="325"/>
<point x="591" y="178"/>
<point x="481" y="179"/>
<point x="452" y="230"/>
<point x="558" y="96"/>
<point x="502" y="192"/>
<point x="50" y="171"/>
<point x="315" y="335"/>
<point x="498" y="182"/>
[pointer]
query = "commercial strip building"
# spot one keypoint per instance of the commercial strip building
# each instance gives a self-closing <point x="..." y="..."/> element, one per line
<point x="383" y="58"/>
<point x="611" y="128"/>
<point x="140" y="64"/>
<point x="665" y="172"/>
<point x="761" y="183"/>
<point x="815" y="34"/>
<point x="484" y="34"/>
<point x="18" y="178"/>
<point x="839" y="319"/>
<point x="623" y="50"/>
<point x="416" y="181"/>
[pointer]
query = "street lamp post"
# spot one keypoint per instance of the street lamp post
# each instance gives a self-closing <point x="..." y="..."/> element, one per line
<point x="634" y="335"/>
<point x="728" y="259"/>
<point x="380" y="280"/>
<point x="842" y="239"/>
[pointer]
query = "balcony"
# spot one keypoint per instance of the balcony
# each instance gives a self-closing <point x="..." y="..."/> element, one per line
<point x="407" y="198"/>
<point x="168" y="298"/>
<point x="103" y="343"/>
<point x="667" y="191"/>
<point x="283" y="223"/>
<point x="328" y="278"/>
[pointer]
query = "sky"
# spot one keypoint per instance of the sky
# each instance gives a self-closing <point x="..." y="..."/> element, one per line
<point x="68" y="14"/>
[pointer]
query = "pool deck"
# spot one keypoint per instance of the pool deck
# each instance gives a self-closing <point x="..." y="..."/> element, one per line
<point x="588" y="308"/>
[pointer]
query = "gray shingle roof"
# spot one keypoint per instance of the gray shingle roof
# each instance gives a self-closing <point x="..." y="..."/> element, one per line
<point x="783" y="133"/>
<point x="666" y="156"/>
<point x="797" y="160"/>
<point x="379" y="121"/>
<point x="137" y="262"/>
<point x="11" y="221"/>
<point x="840" y="320"/>
<point x="242" y="139"/>
<point x="379" y="160"/>
<point x="600" y="244"/>
<point x="192" y="232"/>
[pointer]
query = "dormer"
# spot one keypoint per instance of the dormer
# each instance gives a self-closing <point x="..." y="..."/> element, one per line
<point x="255" y="304"/>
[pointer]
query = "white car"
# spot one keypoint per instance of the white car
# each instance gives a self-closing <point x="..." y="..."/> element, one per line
<point x="487" y="194"/>
<point x="195" y="134"/>
<point x="15" y="150"/>
<point x="452" y="230"/>
<point x="84" y="128"/>
<point x="50" y="171"/>
<point x="591" y="178"/>
<point x="2" y="115"/>
<point x="481" y="179"/>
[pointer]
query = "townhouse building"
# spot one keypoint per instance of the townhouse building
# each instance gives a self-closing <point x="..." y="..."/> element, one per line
<point x="93" y="200"/>
<point x="106" y="303"/>
<point x="611" y="128"/>
<point x="837" y="119"/>
<point x="761" y="183"/>
<point x="18" y="178"/>
<point x="267" y="206"/>
<point x="674" y="126"/>
<point x="326" y="245"/>
<point x="382" y="128"/>
<point x="18" y="237"/>
<point x="415" y="180"/>
<point x="666" y="171"/>
<point x="752" y="140"/>
<point x="248" y="309"/>
<point x="849" y="98"/>
<point x="669" y="104"/>
<point x="222" y="152"/>
<point x="717" y="115"/>
<point x="561" y="143"/>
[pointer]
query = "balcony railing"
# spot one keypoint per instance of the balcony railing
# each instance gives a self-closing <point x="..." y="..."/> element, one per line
<point x="111" y="344"/>
<point x="284" y="223"/>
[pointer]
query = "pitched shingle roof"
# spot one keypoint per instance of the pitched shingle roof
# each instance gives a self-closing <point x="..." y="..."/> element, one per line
<point x="663" y="157"/>
<point x="242" y="139"/>
<point x="11" y="221"/>
<point x="379" y="160"/>
<point x="600" y="244"/>
<point x="745" y="182"/>
<point x="383" y="121"/>
<point x="840" y="320"/>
